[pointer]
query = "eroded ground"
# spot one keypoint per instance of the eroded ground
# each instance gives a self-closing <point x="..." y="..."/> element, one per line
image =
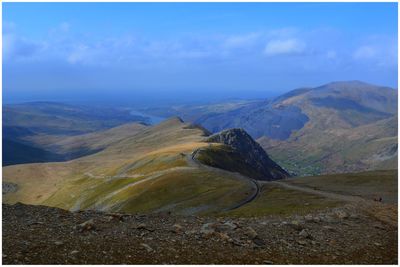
<point x="346" y="234"/>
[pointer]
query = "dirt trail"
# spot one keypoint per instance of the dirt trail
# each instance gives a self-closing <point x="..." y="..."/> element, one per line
<point x="318" y="192"/>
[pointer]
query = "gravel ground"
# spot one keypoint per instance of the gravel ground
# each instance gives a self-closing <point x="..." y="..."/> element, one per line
<point x="44" y="235"/>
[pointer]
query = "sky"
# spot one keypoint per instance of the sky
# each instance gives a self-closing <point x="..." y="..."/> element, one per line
<point x="180" y="52"/>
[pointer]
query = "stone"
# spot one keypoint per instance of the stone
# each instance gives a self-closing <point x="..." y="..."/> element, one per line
<point x="177" y="228"/>
<point x="316" y="219"/>
<point x="341" y="214"/>
<point x="224" y="237"/>
<point x="302" y="242"/>
<point x="259" y="242"/>
<point x="296" y="225"/>
<point x="141" y="226"/>
<point x="304" y="233"/>
<point x="236" y="242"/>
<point x="268" y="262"/>
<point x="58" y="243"/>
<point x="308" y="218"/>
<point x="207" y="228"/>
<point x="227" y="226"/>
<point x="74" y="252"/>
<point x="116" y="216"/>
<point x="86" y="226"/>
<point x="147" y="247"/>
<point x="250" y="232"/>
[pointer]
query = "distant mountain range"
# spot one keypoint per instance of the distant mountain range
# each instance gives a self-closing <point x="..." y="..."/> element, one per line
<point x="337" y="127"/>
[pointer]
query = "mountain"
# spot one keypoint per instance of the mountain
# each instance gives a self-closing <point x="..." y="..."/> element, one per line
<point x="71" y="147"/>
<point x="310" y="151"/>
<point x="258" y="117"/>
<point x="352" y="127"/>
<point x="149" y="170"/>
<point x="307" y="130"/>
<point x="45" y="129"/>
<point x="242" y="154"/>
<point x="354" y="103"/>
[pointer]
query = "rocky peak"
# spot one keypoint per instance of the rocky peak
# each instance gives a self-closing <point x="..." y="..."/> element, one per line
<point x="251" y="152"/>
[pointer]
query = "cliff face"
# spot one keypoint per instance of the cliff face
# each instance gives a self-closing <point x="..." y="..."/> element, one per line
<point x="242" y="147"/>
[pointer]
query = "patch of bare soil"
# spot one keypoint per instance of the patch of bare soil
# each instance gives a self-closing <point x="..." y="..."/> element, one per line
<point x="345" y="235"/>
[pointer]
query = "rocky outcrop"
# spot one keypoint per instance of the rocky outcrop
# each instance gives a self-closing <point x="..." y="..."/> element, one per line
<point x="252" y="154"/>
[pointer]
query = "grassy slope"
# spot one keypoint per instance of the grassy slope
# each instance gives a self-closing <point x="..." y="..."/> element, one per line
<point x="328" y="145"/>
<point x="143" y="172"/>
<point x="276" y="200"/>
<point x="365" y="184"/>
<point x="74" y="146"/>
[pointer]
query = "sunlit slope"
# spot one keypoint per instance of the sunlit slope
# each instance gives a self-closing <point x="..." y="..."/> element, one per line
<point x="148" y="171"/>
<point x="352" y="128"/>
<point x="309" y="151"/>
<point x="71" y="147"/>
<point x="369" y="185"/>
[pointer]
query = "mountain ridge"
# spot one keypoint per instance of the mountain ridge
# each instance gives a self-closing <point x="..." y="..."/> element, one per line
<point x="147" y="171"/>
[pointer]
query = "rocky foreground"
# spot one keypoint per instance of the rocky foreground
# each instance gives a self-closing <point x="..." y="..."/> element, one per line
<point x="44" y="235"/>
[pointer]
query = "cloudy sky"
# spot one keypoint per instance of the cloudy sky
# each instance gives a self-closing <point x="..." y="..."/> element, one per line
<point x="57" y="51"/>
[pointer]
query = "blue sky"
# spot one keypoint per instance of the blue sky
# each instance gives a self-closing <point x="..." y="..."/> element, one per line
<point x="181" y="51"/>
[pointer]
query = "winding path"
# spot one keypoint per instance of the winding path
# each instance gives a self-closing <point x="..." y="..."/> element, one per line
<point x="331" y="195"/>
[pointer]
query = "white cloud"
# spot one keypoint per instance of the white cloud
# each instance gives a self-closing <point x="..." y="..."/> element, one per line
<point x="286" y="46"/>
<point x="78" y="54"/>
<point x="15" y="47"/>
<point x="245" y="40"/>
<point x="331" y="54"/>
<point x="379" y="52"/>
<point x="365" y="52"/>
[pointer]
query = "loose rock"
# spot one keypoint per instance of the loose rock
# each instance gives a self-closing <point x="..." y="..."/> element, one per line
<point x="147" y="247"/>
<point x="304" y="233"/>
<point x="86" y="226"/>
<point x="177" y="228"/>
<point x="208" y="228"/>
<point x="250" y="232"/>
